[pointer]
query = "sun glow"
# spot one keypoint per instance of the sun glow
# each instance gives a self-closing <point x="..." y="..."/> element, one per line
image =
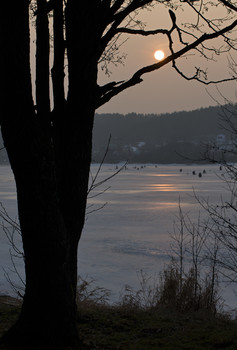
<point x="159" y="55"/>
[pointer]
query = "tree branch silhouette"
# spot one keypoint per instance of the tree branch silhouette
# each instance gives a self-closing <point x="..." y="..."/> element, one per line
<point x="109" y="91"/>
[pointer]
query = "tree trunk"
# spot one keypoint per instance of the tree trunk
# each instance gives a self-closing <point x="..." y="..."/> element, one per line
<point x="48" y="316"/>
<point x="58" y="66"/>
<point x="42" y="62"/>
<point x="50" y="159"/>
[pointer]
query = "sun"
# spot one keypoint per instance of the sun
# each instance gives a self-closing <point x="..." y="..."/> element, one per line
<point x="159" y="55"/>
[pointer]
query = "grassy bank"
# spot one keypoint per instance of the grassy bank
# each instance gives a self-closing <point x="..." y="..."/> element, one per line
<point x="106" y="327"/>
<point x="116" y="328"/>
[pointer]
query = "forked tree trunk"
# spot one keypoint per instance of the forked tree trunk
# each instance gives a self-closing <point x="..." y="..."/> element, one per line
<point x="50" y="159"/>
<point x="51" y="206"/>
<point x="48" y="316"/>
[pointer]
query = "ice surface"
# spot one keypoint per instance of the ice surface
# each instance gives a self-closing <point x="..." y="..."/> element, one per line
<point x="132" y="231"/>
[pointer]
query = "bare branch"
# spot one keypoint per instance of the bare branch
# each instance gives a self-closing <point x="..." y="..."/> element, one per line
<point x="116" y="6"/>
<point x="142" y="32"/>
<point x="136" y="78"/>
<point x="119" y="17"/>
<point x="197" y="76"/>
<point x="229" y="5"/>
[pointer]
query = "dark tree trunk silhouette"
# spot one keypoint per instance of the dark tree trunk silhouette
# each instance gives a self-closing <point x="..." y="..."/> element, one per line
<point x="51" y="179"/>
<point x="49" y="147"/>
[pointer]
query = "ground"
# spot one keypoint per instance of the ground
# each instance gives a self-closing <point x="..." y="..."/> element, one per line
<point x="122" y="328"/>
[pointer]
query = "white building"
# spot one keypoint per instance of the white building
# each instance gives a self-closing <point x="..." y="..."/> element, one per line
<point x="220" y="139"/>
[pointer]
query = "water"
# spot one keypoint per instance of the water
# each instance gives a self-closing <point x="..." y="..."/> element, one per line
<point x="130" y="232"/>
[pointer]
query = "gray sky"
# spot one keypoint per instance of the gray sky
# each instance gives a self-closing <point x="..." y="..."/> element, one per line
<point x="164" y="90"/>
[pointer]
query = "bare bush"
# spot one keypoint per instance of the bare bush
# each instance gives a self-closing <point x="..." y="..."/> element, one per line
<point x="194" y="294"/>
<point x="145" y="297"/>
<point x="165" y="291"/>
<point x="88" y="293"/>
<point x="12" y="231"/>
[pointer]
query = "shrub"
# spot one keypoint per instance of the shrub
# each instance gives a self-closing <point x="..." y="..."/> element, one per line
<point x="90" y="294"/>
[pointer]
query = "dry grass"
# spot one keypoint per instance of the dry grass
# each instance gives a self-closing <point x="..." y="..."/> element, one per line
<point x="130" y="326"/>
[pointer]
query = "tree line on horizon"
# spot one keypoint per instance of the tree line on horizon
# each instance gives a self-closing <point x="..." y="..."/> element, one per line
<point x="176" y="137"/>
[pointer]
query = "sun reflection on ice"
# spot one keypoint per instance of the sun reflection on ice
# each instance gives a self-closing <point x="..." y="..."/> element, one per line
<point x="163" y="187"/>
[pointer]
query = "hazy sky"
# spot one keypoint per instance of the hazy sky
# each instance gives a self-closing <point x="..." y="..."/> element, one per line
<point x="163" y="90"/>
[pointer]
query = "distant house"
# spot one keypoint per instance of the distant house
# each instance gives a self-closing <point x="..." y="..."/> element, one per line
<point x="220" y="139"/>
<point x="136" y="149"/>
<point x="141" y="144"/>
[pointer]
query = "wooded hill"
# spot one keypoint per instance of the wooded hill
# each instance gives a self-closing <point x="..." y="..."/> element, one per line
<point x="178" y="137"/>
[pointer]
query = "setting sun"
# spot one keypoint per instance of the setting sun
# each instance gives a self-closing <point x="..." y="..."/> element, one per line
<point x="159" y="55"/>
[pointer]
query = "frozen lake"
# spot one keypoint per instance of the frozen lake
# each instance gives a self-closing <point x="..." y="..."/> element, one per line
<point x="131" y="232"/>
